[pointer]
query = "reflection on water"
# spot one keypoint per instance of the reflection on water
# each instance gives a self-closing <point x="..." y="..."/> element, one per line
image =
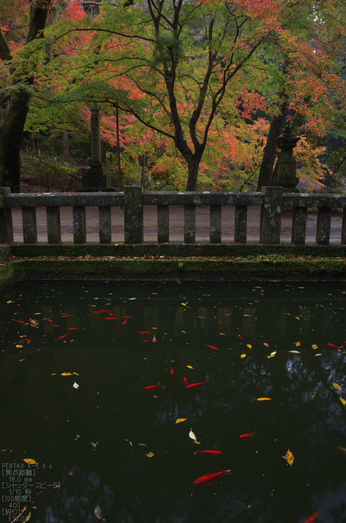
<point x="76" y="358"/>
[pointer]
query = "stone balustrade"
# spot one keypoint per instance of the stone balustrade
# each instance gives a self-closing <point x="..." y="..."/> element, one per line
<point x="272" y="201"/>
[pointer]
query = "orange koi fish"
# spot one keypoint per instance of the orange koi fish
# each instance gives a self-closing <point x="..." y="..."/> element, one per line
<point x="63" y="336"/>
<point x="212" y="452"/>
<point x="27" y="339"/>
<point x="211" y="346"/>
<point x="332" y="345"/>
<point x="313" y="518"/>
<point x="241" y="337"/>
<point x="195" y="384"/>
<point x="209" y="478"/>
<point x="247" y="436"/>
<point x="150" y="387"/>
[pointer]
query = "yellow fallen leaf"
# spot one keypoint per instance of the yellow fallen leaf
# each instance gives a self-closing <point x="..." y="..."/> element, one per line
<point x="185" y="304"/>
<point x="19" y="346"/>
<point x="30" y="461"/>
<point x="314" y="346"/>
<point x="243" y="356"/>
<point x="263" y="399"/>
<point x="266" y="344"/>
<point x="189" y="366"/>
<point x="272" y="354"/>
<point x="298" y="343"/>
<point x="9" y="301"/>
<point x="249" y="346"/>
<point x="67" y="374"/>
<point x="343" y="401"/>
<point x="248" y="315"/>
<point x="289" y="457"/>
<point x="180" y="420"/>
<point x="297" y="317"/>
<point x="337" y="386"/>
<point x="150" y="454"/>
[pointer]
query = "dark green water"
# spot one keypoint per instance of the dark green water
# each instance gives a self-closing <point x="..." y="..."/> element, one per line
<point x="90" y="432"/>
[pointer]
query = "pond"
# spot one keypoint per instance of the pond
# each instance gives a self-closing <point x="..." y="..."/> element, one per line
<point x="111" y="392"/>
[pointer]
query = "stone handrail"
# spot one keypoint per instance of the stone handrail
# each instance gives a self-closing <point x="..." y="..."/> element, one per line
<point x="272" y="200"/>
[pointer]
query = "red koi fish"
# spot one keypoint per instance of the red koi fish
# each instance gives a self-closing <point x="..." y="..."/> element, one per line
<point x="154" y="339"/>
<point x="63" y="336"/>
<point x="53" y="325"/>
<point x="172" y="371"/>
<point x="19" y="321"/>
<point x="111" y="318"/>
<point x="67" y="315"/>
<point x="209" y="478"/>
<point x="332" y="345"/>
<point x="96" y="312"/>
<point x="74" y="328"/>
<point x="106" y="310"/>
<point x="142" y="332"/>
<point x="247" y="436"/>
<point x="211" y="452"/>
<point x="185" y="381"/>
<point x="150" y="387"/>
<point x="313" y="518"/>
<point x="27" y="339"/>
<point x="48" y="319"/>
<point x="241" y="337"/>
<point x="211" y="346"/>
<point x="145" y="341"/>
<point x="127" y="317"/>
<point x="195" y="384"/>
<point x="124" y="322"/>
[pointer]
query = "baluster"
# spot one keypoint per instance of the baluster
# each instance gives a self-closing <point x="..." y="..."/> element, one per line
<point x="299" y="225"/>
<point x="240" y="223"/>
<point x="163" y="223"/>
<point x="323" y="225"/>
<point x="79" y="224"/>
<point x="29" y="224"/>
<point x="215" y="223"/>
<point x="105" y="228"/>
<point x="53" y="225"/>
<point x="189" y="223"/>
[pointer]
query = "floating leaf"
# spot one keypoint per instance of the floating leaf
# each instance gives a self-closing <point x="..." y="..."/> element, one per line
<point x="75" y="385"/>
<point x="243" y="356"/>
<point x="266" y="344"/>
<point x="249" y="346"/>
<point x="192" y="435"/>
<point x="294" y="351"/>
<point x="298" y="343"/>
<point x="314" y="346"/>
<point x="263" y="399"/>
<point x="67" y="374"/>
<point x="297" y="318"/>
<point x="337" y="386"/>
<point x="289" y="457"/>
<point x="247" y="315"/>
<point x="180" y="420"/>
<point x="189" y="366"/>
<point x="272" y="354"/>
<point x="98" y="513"/>
<point x="343" y="401"/>
<point x="9" y="301"/>
<point x="30" y="461"/>
<point x="142" y="444"/>
<point x="150" y="454"/>
<point x="185" y="304"/>
<point x="93" y="444"/>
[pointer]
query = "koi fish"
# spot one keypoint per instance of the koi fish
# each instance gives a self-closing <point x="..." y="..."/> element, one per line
<point x="208" y="478"/>
<point x="332" y="345"/>
<point x="313" y="518"/>
<point x="248" y="435"/>
<point x="53" y="325"/>
<point x="96" y="312"/>
<point x="149" y="387"/>
<point x="124" y="322"/>
<point x="74" y="328"/>
<point x="195" y="384"/>
<point x="127" y="317"/>
<point x="67" y="315"/>
<point x="211" y="346"/>
<point x="48" y="319"/>
<point x="241" y="337"/>
<point x="106" y="310"/>
<point x="19" y="321"/>
<point x="185" y="381"/>
<point x="63" y="336"/>
<point x="154" y="339"/>
<point x="142" y="332"/>
<point x="211" y="452"/>
<point x="172" y="371"/>
<point x="111" y="318"/>
<point x="27" y="339"/>
<point x="145" y="341"/>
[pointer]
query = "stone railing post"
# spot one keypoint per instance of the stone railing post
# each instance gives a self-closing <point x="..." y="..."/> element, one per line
<point x="271" y="216"/>
<point x="133" y="210"/>
<point x="5" y="226"/>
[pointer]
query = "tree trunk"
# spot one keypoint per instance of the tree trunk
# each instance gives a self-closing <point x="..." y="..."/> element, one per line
<point x="11" y="131"/>
<point x="270" y="150"/>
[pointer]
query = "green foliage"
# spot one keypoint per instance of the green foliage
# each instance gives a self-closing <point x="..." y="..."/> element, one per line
<point x="49" y="172"/>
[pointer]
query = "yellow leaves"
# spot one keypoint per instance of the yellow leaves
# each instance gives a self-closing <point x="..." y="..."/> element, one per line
<point x="243" y="356"/>
<point x="30" y="461"/>
<point x="249" y="346"/>
<point x="67" y="374"/>
<point x="298" y="343"/>
<point x="337" y="386"/>
<point x="189" y="366"/>
<point x="192" y="435"/>
<point x="180" y="420"/>
<point x="9" y="301"/>
<point x="289" y="457"/>
<point x="297" y="318"/>
<point x="314" y="346"/>
<point x="266" y="344"/>
<point x="272" y="354"/>
<point x="263" y="399"/>
<point x="185" y="304"/>
<point x="343" y="401"/>
<point x="150" y="454"/>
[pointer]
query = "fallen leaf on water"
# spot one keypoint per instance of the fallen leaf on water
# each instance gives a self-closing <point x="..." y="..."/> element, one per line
<point x="142" y="444"/>
<point x="298" y="343"/>
<point x="272" y="354"/>
<point x="263" y="399"/>
<point x="247" y="315"/>
<point x="98" y="513"/>
<point x="249" y="346"/>
<point x="343" y="401"/>
<point x="150" y="454"/>
<point x="185" y="304"/>
<point x="266" y="344"/>
<point x="297" y="318"/>
<point x="66" y="374"/>
<point x="180" y="420"/>
<point x="189" y="366"/>
<point x="314" y="346"/>
<point x="337" y="386"/>
<point x="289" y="457"/>
<point x="294" y="351"/>
<point x="243" y="356"/>
<point x="93" y="444"/>
<point x="30" y="461"/>
<point x="77" y="437"/>
<point x="75" y="385"/>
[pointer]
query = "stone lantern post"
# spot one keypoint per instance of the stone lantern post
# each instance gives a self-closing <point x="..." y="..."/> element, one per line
<point x="94" y="178"/>
<point x="285" y="171"/>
